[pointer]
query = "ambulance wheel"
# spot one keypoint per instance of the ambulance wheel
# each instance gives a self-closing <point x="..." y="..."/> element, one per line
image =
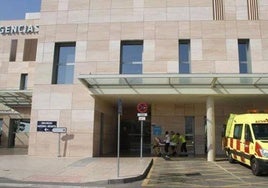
<point x="255" y="167"/>
<point x="230" y="158"/>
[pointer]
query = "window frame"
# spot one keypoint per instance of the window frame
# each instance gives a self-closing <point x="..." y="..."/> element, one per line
<point x="13" y="50"/>
<point x="180" y="54"/>
<point x="238" y="129"/>
<point x="24" y="81"/>
<point x="30" y="49"/>
<point x="246" y="55"/>
<point x="130" y="43"/>
<point x="248" y="134"/>
<point x="55" y="72"/>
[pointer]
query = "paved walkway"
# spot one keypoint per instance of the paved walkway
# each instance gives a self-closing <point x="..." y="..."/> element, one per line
<point x="198" y="172"/>
<point x="85" y="172"/>
<point x="30" y="169"/>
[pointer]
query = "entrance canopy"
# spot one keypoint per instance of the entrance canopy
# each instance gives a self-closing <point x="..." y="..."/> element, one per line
<point x="14" y="98"/>
<point x="208" y="84"/>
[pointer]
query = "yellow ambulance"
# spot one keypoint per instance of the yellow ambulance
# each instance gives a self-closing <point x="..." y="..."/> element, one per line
<point x="246" y="140"/>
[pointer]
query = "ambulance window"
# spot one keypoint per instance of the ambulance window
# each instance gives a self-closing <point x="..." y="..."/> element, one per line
<point x="260" y="131"/>
<point x="248" y="136"/>
<point x="238" y="131"/>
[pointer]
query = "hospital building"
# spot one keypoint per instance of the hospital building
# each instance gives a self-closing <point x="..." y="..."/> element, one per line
<point x="83" y="72"/>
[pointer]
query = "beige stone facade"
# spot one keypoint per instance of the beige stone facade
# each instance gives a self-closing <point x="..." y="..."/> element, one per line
<point x="97" y="27"/>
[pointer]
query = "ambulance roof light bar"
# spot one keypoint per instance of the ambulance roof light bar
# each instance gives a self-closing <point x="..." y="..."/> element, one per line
<point x="252" y="111"/>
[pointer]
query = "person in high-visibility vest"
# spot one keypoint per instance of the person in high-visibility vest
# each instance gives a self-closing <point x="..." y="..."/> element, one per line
<point x="183" y="143"/>
<point x="174" y="140"/>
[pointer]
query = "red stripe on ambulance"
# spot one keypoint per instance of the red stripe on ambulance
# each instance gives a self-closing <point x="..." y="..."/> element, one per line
<point x="231" y="142"/>
<point x="238" y="145"/>
<point x="246" y="149"/>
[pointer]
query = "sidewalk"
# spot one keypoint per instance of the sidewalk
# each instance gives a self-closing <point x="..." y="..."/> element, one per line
<point x="31" y="169"/>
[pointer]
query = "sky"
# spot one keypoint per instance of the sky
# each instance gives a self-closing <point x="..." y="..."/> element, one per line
<point x="16" y="9"/>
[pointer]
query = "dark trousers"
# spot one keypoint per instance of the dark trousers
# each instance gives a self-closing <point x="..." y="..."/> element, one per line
<point x="183" y="147"/>
<point x="166" y="147"/>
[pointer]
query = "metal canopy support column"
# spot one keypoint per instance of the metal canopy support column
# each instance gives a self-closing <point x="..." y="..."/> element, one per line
<point x="210" y="129"/>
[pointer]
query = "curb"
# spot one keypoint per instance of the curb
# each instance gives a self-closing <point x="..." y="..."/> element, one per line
<point x="132" y="179"/>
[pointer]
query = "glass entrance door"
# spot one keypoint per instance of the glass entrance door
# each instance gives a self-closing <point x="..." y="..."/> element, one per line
<point x="189" y="134"/>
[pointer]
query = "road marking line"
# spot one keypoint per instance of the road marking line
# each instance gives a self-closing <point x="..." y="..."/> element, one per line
<point x="230" y="173"/>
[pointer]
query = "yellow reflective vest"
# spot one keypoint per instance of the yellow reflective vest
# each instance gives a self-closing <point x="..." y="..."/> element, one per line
<point x="182" y="139"/>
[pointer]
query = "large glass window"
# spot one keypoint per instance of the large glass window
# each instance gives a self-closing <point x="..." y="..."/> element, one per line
<point x="131" y="57"/>
<point x="64" y="58"/>
<point x="30" y="47"/>
<point x="184" y="56"/>
<point x="244" y="56"/>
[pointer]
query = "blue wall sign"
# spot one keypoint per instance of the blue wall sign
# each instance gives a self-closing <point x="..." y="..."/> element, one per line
<point x="157" y="130"/>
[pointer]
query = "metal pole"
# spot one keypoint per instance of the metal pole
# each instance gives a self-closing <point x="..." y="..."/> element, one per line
<point x="141" y="137"/>
<point x="118" y="143"/>
<point x="59" y="146"/>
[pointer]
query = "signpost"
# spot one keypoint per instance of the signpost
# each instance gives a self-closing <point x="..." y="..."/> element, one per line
<point x="120" y="111"/>
<point x="142" y="107"/>
<point x="59" y="130"/>
<point x="142" y="113"/>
